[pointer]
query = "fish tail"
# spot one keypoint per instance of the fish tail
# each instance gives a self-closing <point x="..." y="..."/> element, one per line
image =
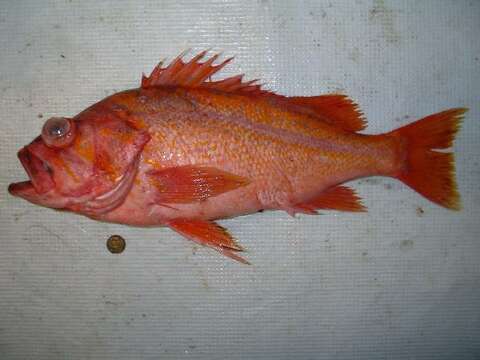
<point x="426" y="170"/>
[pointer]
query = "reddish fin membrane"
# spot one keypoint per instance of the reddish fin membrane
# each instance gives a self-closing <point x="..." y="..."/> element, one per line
<point x="341" y="198"/>
<point x="334" y="109"/>
<point x="195" y="73"/>
<point x="337" y="110"/>
<point x="431" y="173"/>
<point x="209" y="234"/>
<point x="187" y="184"/>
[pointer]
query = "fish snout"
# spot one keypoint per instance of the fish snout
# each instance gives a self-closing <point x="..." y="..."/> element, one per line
<point x="39" y="172"/>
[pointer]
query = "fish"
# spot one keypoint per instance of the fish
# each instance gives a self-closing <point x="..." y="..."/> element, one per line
<point x="184" y="150"/>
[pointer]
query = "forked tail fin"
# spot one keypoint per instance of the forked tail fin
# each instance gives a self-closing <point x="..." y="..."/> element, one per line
<point x="427" y="171"/>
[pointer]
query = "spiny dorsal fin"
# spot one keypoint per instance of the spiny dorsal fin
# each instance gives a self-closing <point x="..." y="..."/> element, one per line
<point x="334" y="109"/>
<point x="195" y="73"/>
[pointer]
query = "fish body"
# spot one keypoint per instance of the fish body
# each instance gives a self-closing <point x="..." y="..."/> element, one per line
<point x="287" y="158"/>
<point x="182" y="151"/>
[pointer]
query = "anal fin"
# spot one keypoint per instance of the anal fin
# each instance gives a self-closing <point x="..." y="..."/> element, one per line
<point x="340" y="197"/>
<point x="209" y="234"/>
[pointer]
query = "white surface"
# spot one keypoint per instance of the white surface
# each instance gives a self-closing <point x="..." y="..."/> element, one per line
<point x="392" y="283"/>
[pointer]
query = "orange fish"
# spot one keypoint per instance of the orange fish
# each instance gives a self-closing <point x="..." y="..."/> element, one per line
<point x="182" y="151"/>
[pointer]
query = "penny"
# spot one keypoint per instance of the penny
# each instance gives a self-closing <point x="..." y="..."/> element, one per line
<point x="116" y="244"/>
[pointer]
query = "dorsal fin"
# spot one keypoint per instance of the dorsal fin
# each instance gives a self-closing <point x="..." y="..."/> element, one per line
<point x="337" y="110"/>
<point x="334" y="109"/>
<point x="195" y="73"/>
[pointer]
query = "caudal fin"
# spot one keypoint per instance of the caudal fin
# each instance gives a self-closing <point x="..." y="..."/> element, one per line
<point x="427" y="171"/>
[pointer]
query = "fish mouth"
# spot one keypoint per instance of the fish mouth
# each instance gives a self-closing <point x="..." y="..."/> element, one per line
<point x="39" y="172"/>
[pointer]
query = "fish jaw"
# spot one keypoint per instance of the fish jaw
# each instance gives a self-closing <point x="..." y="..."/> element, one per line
<point x="27" y="191"/>
<point x="23" y="189"/>
<point x="40" y="189"/>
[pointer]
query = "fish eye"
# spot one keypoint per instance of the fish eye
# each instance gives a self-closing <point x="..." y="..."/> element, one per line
<point x="58" y="132"/>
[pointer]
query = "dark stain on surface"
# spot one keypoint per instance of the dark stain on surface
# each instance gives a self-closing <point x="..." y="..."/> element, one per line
<point x="402" y="119"/>
<point x="406" y="245"/>
<point x="114" y="303"/>
<point x="370" y="181"/>
<point x="17" y="216"/>
<point x="420" y="211"/>
<point x="385" y="17"/>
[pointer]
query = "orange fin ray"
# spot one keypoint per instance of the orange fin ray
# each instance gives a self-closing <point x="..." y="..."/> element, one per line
<point x="208" y="233"/>
<point x="187" y="184"/>
<point x="337" y="110"/>
<point x="427" y="171"/>
<point x="195" y="73"/>
<point x="340" y="197"/>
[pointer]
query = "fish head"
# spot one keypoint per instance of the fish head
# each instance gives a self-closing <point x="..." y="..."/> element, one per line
<point x="85" y="164"/>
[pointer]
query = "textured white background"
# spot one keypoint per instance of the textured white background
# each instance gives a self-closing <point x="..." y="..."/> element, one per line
<point x="394" y="283"/>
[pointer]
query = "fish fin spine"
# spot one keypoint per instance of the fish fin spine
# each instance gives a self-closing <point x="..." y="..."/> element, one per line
<point x="197" y="74"/>
<point x="426" y="170"/>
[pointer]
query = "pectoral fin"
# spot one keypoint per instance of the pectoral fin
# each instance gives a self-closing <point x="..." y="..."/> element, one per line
<point x="209" y="234"/>
<point x="187" y="184"/>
